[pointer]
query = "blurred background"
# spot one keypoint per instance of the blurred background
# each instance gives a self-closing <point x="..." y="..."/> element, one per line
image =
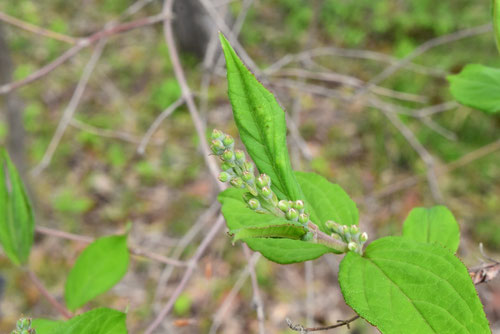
<point x="368" y="106"/>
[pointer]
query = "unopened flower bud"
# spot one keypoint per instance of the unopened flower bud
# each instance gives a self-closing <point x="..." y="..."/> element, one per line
<point x="266" y="192"/>
<point x="228" y="141"/>
<point x="363" y="237"/>
<point x="292" y="214"/>
<point x="226" y="166"/>
<point x="247" y="176"/>
<point x="283" y="205"/>
<point x="303" y="218"/>
<point x="217" y="146"/>
<point x="217" y="134"/>
<point x="237" y="182"/>
<point x="354" y="229"/>
<point x="228" y="156"/>
<point x="248" y="166"/>
<point x="336" y="236"/>
<point x="352" y="246"/>
<point x="253" y="204"/>
<point x="298" y="205"/>
<point x="333" y="226"/>
<point x="263" y="181"/>
<point x="224" y="177"/>
<point x="240" y="156"/>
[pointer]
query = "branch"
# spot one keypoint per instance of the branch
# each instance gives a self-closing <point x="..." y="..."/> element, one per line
<point x="83" y="43"/>
<point x="88" y="240"/>
<point x="304" y="330"/>
<point x="37" y="30"/>
<point x="58" y="306"/>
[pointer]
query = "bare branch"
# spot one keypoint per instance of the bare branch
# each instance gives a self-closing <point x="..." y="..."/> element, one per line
<point x="87" y="240"/>
<point x="37" y="30"/>
<point x="304" y="330"/>
<point x="83" y="43"/>
<point x="58" y="306"/>
<point x="256" y="292"/>
<point x="154" y="126"/>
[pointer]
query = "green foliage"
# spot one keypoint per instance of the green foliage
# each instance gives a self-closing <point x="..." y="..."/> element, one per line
<point x="16" y="218"/>
<point x="477" y="86"/>
<point x="435" y="224"/>
<point x="326" y="201"/>
<point x="69" y="202"/>
<point x="281" y="250"/>
<point x="183" y="304"/>
<point x="97" y="321"/>
<point x="404" y="286"/>
<point x="261" y="123"/>
<point x="98" y="268"/>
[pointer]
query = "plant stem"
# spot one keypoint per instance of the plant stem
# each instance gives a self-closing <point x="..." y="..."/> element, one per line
<point x="322" y="238"/>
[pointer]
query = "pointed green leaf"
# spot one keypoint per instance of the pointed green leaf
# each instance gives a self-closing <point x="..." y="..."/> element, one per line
<point x="96" y="321"/>
<point x="280" y="250"/>
<point x="16" y="218"/>
<point x="289" y="231"/>
<point x="435" y="224"/>
<point x="404" y="286"/>
<point x="261" y="124"/>
<point x="98" y="268"/>
<point x="45" y="326"/>
<point x="477" y="86"/>
<point x="326" y="201"/>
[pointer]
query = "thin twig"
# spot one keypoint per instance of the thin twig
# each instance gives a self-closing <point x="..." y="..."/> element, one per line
<point x="441" y="40"/>
<point x="87" y="240"/>
<point x="304" y="330"/>
<point x="219" y="223"/>
<point x="259" y="306"/>
<point x="154" y="126"/>
<point x="121" y="135"/>
<point x="70" y="109"/>
<point x="83" y="43"/>
<point x="58" y="306"/>
<point x="226" y="304"/>
<point x="37" y="30"/>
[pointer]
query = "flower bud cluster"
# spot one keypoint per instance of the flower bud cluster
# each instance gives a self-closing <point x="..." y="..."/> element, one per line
<point x="349" y="234"/>
<point x="294" y="210"/>
<point x="23" y="326"/>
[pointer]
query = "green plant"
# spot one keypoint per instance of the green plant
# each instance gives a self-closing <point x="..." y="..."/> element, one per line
<point x="408" y="284"/>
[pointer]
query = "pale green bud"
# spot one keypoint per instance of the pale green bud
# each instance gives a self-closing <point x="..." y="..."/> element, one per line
<point x="303" y="218"/>
<point x="333" y="226"/>
<point x="24" y="323"/>
<point x="247" y="177"/>
<point x="228" y="156"/>
<point x="237" y="182"/>
<point x="354" y="229"/>
<point x="248" y="166"/>
<point x="363" y="237"/>
<point x="292" y="214"/>
<point x="228" y="141"/>
<point x="240" y="156"/>
<point x="336" y="236"/>
<point x="217" y="146"/>
<point x="298" y="205"/>
<point x="224" y="177"/>
<point x="254" y="204"/>
<point x="283" y="205"/>
<point x="266" y="192"/>
<point x="217" y="134"/>
<point x="352" y="246"/>
<point x="263" y="181"/>
<point x="226" y="166"/>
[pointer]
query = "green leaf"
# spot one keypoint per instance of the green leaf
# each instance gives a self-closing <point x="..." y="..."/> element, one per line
<point x="404" y="286"/>
<point x="16" y="218"/>
<point x="477" y="86"/>
<point x="98" y="268"/>
<point x="435" y="224"/>
<point x="280" y="250"/>
<point x="45" y="326"/>
<point x="326" y="201"/>
<point x="261" y="124"/>
<point x="289" y="231"/>
<point x="96" y="321"/>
